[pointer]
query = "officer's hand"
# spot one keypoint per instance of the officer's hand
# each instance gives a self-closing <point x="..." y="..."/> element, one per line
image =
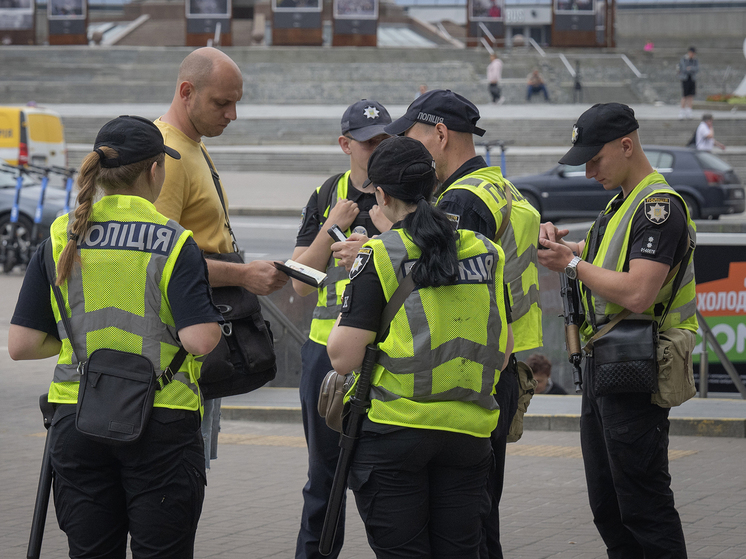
<point x="550" y="232"/>
<point x="381" y="222"/>
<point x="557" y="257"/>
<point x="262" y="278"/>
<point x="343" y="214"/>
<point x="346" y="251"/>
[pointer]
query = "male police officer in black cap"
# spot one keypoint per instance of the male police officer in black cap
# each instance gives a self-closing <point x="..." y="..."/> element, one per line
<point x="641" y="236"/>
<point x="474" y="196"/>
<point x="347" y="201"/>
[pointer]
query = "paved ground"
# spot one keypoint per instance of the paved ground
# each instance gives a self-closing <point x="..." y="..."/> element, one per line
<point x="253" y="501"/>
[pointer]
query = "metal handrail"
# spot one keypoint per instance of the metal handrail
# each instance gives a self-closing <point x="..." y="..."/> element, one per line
<point x="486" y="31"/>
<point x="278" y="315"/>
<point x="534" y="44"/>
<point x="707" y="335"/>
<point x="486" y="45"/>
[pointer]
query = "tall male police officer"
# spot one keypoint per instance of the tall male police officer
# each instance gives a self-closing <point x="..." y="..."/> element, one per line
<point x="643" y="233"/>
<point x="344" y="200"/>
<point x="473" y="194"/>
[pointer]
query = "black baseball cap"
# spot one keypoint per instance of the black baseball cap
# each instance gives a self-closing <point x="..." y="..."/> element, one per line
<point x="365" y="120"/>
<point x="134" y="138"/>
<point x="596" y="127"/>
<point x="403" y="168"/>
<point x="436" y="106"/>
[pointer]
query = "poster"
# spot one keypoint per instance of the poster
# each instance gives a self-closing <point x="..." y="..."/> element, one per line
<point x="17" y="14"/>
<point x="66" y="9"/>
<point x="722" y="303"/>
<point x="577" y="7"/>
<point x="355" y="9"/>
<point x="296" y="5"/>
<point x="486" y="10"/>
<point x="208" y="8"/>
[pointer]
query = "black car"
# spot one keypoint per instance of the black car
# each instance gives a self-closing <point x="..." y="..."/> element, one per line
<point x="709" y="186"/>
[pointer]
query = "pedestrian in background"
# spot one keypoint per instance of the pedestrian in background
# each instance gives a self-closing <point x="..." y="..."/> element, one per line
<point x="704" y="137"/>
<point x="132" y="298"/>
<point x="419" y="472"/>
<point x="535" y="84"/>
<point x="349" y="201"/>
<point x="643" y="233"/>
<point x="209" y="86"/>
<point x="494" y="77"/>
<point x="687" y="71"/>
<point x="542" y="369"/>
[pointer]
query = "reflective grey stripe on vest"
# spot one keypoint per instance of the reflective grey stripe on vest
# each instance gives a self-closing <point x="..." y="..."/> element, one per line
<point x="419" y="364"/>
<point x="618" y="239"/>
<point x="334" y="274"/>
<point x="515" y="264"/>
<point x="149" y="327"/>
<point x="332" y="309"/>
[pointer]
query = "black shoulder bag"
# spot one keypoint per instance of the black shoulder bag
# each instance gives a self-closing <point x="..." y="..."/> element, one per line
<point x="117" y="388"/>
<point x="244" y="359"/>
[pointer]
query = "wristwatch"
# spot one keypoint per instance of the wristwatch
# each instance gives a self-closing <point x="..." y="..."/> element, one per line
<point x="571" y="271"/>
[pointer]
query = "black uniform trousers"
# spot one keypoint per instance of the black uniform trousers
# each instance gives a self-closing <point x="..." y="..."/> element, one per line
<point x="624" y="439"/>
<point x="421" y="492"/>
<point x="506" y="395"/>
<point x="323" y="453"/>
<point x="152" y="489"/>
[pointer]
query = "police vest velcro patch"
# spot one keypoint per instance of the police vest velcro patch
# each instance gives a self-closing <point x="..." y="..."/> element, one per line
<point x="650" y="242"/>
<point x="347" y="299"/>
<point x="360" y="261"/>
<point x="657" y="209"/>
<point x="454" y="219"/>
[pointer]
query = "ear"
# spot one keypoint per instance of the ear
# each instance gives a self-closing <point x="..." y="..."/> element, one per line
<point x="186" y="90"/>
<point x="153" y="170"/>
<point x="628" y="146"/>
<point x="441" y="134"/>
<point x="385" y="198"/>
<point x="344" y="143"/>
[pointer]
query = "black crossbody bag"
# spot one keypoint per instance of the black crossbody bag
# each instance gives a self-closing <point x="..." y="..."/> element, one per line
<point x="244" y="359"/>
<point x="117" y="388"/>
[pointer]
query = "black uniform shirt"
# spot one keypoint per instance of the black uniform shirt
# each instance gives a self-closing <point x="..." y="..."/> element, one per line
<point x="311" y="221"/>
<point x="188" y="293"/>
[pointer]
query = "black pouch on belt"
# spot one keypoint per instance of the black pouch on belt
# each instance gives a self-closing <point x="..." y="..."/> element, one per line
<point x="626" y="359"/>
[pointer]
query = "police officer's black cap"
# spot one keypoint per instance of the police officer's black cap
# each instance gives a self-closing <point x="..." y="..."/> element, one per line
<point x="436" y="106"/>
<point x="364" y="120"/>
<point x="133" y="138"/>
<point x="402" y="167"/>
<point x="596" y="127"/>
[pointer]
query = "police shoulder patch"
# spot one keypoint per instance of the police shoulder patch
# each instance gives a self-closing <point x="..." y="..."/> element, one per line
<point x="302" y="218"/>
<point x="360" y="261"/>
<point x="657" y="209"/>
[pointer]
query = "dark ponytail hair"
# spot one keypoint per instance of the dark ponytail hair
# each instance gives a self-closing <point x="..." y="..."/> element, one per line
<point x="405" y="170"/>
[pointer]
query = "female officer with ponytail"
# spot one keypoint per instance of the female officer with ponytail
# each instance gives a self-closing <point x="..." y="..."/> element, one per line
<point x="420" y="470"/>
<point x="133" y="281"/>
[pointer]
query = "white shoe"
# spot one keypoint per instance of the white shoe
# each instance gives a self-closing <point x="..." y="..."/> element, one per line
<point x="688" y="113"/>
<point x="501" y="100"/>
<point x="682" y="114"/>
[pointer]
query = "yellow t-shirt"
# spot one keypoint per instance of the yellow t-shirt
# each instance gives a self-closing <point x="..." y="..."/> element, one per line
<point x="189" y="196"/>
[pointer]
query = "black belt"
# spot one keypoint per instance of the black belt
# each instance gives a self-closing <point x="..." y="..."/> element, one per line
<point x="162" y="414"/>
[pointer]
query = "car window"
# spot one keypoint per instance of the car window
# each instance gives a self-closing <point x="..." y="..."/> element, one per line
<point x="709" y="161"/>
<point x="573" y="170"/>
<point x="661" y="161"/>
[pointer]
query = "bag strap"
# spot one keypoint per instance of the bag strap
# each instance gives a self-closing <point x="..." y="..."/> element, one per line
<point x="323" y="200"/>
<point x="216" y="181"/>
<point x="676" y="273"/>
<point x="395" y="303"/>
<point x="163" y="379"/>
<point x="506" y="219"/>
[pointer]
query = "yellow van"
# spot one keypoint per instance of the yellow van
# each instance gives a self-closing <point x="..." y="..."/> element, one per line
<point x="30" y="134"/>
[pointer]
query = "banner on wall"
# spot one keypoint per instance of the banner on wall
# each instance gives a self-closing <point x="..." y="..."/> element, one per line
<point x="574" y="7"/>
<point x="17" y="14"/>
<point x="356" y="9"/>
<point x="722" y="303"/>
<point x="486" y="10"/>
<point x="296" y="6"/>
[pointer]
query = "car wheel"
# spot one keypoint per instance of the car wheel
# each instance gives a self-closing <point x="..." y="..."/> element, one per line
<point x="693" y="206"/>
<point x="13" y="251"/>
<point x="533" y="200"/>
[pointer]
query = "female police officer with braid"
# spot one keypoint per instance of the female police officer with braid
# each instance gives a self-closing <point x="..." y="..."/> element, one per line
<point x="420" y="470"/>
<point x="133" y="281"/>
